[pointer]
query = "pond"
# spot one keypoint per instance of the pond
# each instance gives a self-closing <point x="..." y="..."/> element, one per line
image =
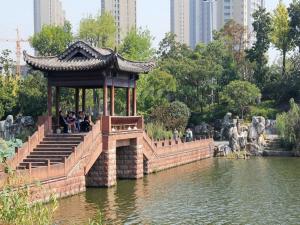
<point x="212" y="191"/>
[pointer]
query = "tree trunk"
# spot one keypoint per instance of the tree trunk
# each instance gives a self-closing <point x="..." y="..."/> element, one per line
<point x="283" y="63"/>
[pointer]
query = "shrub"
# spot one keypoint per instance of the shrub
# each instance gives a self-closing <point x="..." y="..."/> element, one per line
<point x="7" y="148"/>
<point x="288" y="125"/>
<point x="157" y="131"/>
<point x="174" y="115"/>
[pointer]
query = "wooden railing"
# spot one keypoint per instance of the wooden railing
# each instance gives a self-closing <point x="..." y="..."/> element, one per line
<point x="114" y="124"/>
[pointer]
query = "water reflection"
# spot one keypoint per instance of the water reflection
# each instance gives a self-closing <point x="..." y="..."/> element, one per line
<point x="256" y="191"/>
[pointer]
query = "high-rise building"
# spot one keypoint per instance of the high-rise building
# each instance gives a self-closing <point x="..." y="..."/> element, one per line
<point x="48" y="12"/>
<point x="180" y="20"/>
<point x="193" y="21"/>
<point x="124" y="12"/>
<point x="203" y="16"/>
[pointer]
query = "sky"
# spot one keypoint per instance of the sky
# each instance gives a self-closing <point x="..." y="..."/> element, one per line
<point x="151" y="14"/>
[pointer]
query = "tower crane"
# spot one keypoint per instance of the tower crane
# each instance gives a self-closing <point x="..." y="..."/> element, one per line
<point x="18" y="42"/>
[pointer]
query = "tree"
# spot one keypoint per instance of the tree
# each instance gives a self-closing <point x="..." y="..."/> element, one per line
<point x="99" y="31"/>
<point x="6" y="61"/>
<point x="9" y="88"/>
<point x="257" y="54"/>
<point x="154" y="89"/>
<point x="280" y="34"/>
<point x="52" y="40"/>
<point x="240" y="94"/>
<point x="32" y="99"/>
<point x="294" y="14"/>
<point x="169" y="48"/>
<point x="137" y="45"/>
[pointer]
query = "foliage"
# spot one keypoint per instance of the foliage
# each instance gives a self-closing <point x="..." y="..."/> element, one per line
<point x="137" y="45"/>
<point x="157" y="131"/>
<point x="52" y="40"/>
<point x="257" y="54"/>
<point x="9" y="88"/>
<point x="288" y="125"/>
<point x="98" y="31"/>
<point x="17" y="208"/>
<point x="267" y="109"/>
<point x="294" y="14"/>
<point x="239" y="95"/>
<point x="32" y="99"/>
<point x="6" y="61"/>
<point x="7" y="148"/>
<point x="280" y="32"/>
<point x="154" y="89"/>
<point x="172" y="116"/>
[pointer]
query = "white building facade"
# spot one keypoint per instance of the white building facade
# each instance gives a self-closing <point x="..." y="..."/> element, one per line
<point x="124" y="13"/>
<point x="205" y="16"/>
<point x="48" y="12"/>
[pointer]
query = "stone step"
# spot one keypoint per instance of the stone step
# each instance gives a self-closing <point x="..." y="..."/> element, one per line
<point x="50" y="149"/>
<point x="51" y="153"/>
<point x="57" y="146"/>
<point x="60" y="142"/>
<point x="47" y="156"/>
<point x="57" y="140"/>
<point x="35" y="164"/>
<point x="27" y="160"/>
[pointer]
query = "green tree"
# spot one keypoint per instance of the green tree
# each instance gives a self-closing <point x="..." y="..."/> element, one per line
<point x="280" y="34"/>
<point x="52" y="40"/>
<point x="257" y="54"/>
<point x="9" y="88"/>
<point x="99" y="31"/>
<point x="294" y="14"/>
<point x="154" y="89"/>
<point x="6" y="61"/>
<point x="32" y="99"/>
<point x="239" y="95"/>
<point x="137" y="45"/>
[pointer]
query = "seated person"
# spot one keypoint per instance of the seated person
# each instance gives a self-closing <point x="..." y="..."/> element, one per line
<point x="62" y="122"/>
<point x="79" y="120"/>
<point x="85" y="125"/>
<point x="71" y="122"/>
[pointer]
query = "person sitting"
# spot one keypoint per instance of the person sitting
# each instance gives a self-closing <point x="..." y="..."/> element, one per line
<point x="62" y="122"/>
<point x="85" y="125"/>
<point x="71" y="122"/>
<point x="79" y="120"/>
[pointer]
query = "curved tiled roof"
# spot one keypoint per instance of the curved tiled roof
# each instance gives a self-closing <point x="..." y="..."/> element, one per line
<point x="90" y="59"/>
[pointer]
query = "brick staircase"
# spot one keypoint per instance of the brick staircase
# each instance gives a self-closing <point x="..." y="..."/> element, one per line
<point x="53" y="149"/>
<point x="273" y="143"/>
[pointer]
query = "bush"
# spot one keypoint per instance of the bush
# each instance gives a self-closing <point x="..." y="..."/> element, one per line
<point x="174" y="115"/>
<point x="288" y="125"/>
<point x="157" y="131"/>
<point x="7" y="148"/>
<point x="266" y="109"/>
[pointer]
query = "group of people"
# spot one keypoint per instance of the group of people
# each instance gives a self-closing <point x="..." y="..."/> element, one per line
<point x="72" y="123"/>
<point x="187" y="137"/>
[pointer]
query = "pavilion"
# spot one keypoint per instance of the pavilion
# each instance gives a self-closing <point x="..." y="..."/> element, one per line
<point x="82" y="67"/>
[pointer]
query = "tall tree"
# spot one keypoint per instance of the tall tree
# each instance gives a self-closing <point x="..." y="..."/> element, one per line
<point x="294" y="14"/>
<point x="137" y="45"/>
<point x="99" y="31"/>
<point x="257" y="54"/>
<point x="6" y="61"/>
<point x="52" y="40"/>
<point x="280" y="34"/>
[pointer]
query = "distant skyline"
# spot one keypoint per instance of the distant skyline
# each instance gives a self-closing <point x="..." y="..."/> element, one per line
<point x="151" y="14"/>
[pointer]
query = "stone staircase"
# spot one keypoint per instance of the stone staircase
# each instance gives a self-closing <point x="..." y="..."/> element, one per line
<point x="53" y="149"/>
<point x="273" y="143"/>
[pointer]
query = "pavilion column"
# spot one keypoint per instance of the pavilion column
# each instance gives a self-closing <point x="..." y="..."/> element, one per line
<point x="83" y="99"/>
<point x="112" y="100"/>
<point x="105" y="98"/>
<point x="49" y="100"/>
<point x="128" y="105"/>
<point x="134" y="99"/>
<point x="57" y="104"/>
<point x="76" y="101"/>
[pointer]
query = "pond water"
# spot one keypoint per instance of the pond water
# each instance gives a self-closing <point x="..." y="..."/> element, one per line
<point x="212" y="191"/>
